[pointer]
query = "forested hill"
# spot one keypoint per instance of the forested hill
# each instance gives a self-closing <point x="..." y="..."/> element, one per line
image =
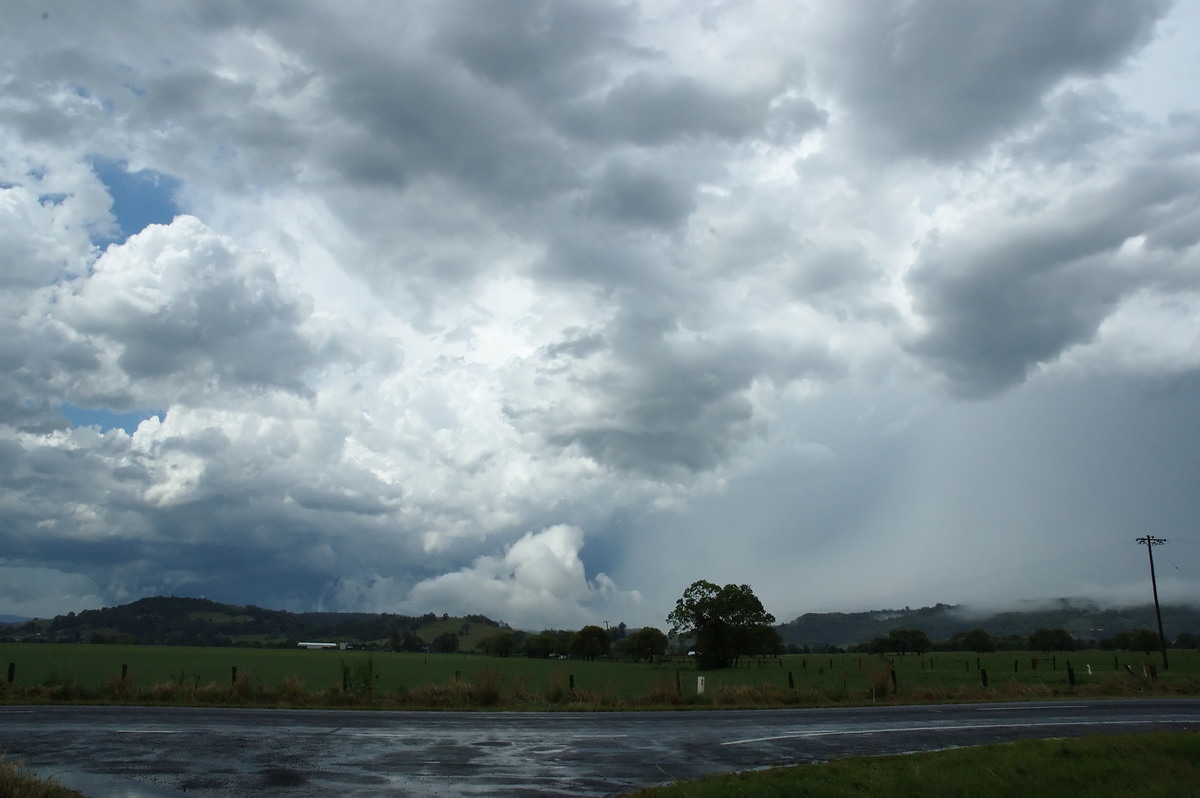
<point x="191" y="621"/>
<point x="1084" y="620"/>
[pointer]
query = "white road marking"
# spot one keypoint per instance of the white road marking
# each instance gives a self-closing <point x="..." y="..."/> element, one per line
<point x="949" y="727"/>
<point x="1026" y="709"/>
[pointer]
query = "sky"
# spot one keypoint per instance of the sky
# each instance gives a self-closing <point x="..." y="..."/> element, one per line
<point x="546" y="310"/>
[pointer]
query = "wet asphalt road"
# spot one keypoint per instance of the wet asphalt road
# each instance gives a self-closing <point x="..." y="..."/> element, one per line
<point x="138" y="752"/>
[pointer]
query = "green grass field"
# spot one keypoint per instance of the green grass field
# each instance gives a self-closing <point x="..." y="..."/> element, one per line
<point x="1165" y="765"/>
<point x="166" y="674"/>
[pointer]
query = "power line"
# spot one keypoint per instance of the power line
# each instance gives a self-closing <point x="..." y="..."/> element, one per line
<point x="1184" y="575"/>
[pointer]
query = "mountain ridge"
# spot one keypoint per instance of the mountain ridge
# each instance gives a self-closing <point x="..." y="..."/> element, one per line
<point x="160" y="620"/>
<point x="1084" y="619"/>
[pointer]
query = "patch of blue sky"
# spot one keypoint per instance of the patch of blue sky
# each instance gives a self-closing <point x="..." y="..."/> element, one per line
<point x="105" y="419"/>
<point x="139" y="198"/>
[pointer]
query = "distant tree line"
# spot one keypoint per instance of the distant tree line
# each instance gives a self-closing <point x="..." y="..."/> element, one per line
<point x="588" y="643"/>
<point x="915" y="641"/>
<point x="716" y="625"/>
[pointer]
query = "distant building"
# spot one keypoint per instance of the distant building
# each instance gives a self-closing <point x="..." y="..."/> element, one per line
<point x="321" y="645"/>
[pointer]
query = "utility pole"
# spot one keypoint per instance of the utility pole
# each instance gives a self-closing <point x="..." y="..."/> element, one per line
<point x="1151" y="542"/>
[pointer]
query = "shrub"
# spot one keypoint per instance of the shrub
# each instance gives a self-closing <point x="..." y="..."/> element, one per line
<point x="664" y="692"/>
<point x="360" y="679"/>
<point x="293" y="691"/>
<point x="485" y="691"/>
<point x="556" y="690"/>
<point x="121" y="688"/>
<point x="241" y="688"/>
<point x="879" y="677"/>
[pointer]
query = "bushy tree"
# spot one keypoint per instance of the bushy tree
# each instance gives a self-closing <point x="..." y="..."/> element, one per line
<point x="1144" y="640"/>
<point x="726" y="621"/>
<point x="407" y="641"/>
<point x="645" y="644"/>
<point x="590" y="642"/>
<point x="1051" y="640"/>
<point x="1187" y="640"/>
<point x="764" y="641"/>
<point x="901" y="641"/>
<point x="503" y="644"/>
<point x="976" y="640"/>
<point x="445" y="643"/>
<point x="548" y="643"/>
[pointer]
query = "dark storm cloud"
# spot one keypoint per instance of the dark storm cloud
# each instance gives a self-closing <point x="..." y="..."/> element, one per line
<point x="666" y="405"/>
<point x="52" y="497"/>
<point x="361" y="500"/>
<point x="619" y="261"/>
<point x="183" y="93"/>
<point x="282" y="533"/>
<point x="545" y="50"/>
<point x="27" y="107"/>
<point x="577" y="347"/>
<point x="938" y="80"/>
<point x="651" y="110"/>
<point x="640" y="197"/>
<point x="435" y="122"/>
<point x="35" y="361"/>
<point x="219" y="330"/>
<point x="1077" y="125"/>
<point x="840" y="279"/>
<point x="998" y="305"/>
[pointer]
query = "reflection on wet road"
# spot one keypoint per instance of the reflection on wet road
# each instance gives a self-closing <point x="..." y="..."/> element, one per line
<point x="140" y="752"/>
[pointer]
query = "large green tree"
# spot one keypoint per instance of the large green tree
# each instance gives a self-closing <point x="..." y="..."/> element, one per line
<point x="1143" y="640"/>
<point x="1051" y="640"/>
<point x="726" y="622"/>
<point x="976" y="640"/>
<point x="645" y="644"/>
<point x="901" y="641"/>
<point x="590" y="642"/>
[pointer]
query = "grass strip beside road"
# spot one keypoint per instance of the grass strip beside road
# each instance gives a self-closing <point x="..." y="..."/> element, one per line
<point x="1164" y="764"/>
<point x="17" y="781"/>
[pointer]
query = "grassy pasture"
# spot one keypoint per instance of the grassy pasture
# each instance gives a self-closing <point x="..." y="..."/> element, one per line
<point x="1161" y="764"/>
<point x="170" y="674"/>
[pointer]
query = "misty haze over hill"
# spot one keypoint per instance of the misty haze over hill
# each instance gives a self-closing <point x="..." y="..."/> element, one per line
<point x="186" y="621"/>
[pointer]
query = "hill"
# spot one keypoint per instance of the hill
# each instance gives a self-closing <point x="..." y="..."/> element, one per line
<point x="163" y="620"/>
<point x="1084" y="619"/>
<point x="170" y="620"/>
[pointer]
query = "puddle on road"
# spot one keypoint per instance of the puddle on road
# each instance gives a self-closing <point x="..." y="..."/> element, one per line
<point x="95" y="785"/>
